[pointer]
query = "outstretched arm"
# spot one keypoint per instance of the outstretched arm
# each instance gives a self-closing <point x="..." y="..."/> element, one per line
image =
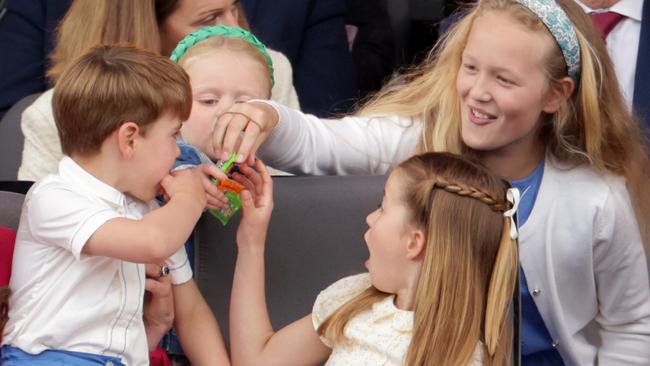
<point x="253" y="341"/>
<point x="197" y="328"/>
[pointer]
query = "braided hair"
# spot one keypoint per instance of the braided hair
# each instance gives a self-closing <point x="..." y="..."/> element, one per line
<point x="468" y="272"/>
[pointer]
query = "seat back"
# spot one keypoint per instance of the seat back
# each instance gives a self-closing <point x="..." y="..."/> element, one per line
<point x="315" y="238"/>
<point x="11" y="138"/>
<point x="11" y="204"/>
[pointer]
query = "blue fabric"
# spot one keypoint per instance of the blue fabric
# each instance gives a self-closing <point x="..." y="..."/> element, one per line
<point x="189" y="157"/>
<point x="12" y="356"/>
<point x="26" y="38"/>
<point x="536" y="343"/>
<point x="528" y="187"/>
<point x="642" y="78"/>
<point x="311" y="33"/>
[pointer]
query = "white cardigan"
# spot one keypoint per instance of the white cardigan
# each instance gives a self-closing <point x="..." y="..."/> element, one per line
<point x="580" y="248"/>
<point x="42" y="147"/>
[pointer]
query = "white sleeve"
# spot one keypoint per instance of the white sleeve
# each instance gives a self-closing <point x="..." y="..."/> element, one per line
<point x="68" y="225"/>
<point x="305" y="144"/>
<point x="179" y="267"/>
<point x="622" y="284"/>
<point x="335" y="296"/>
<point x="42" y="147"/>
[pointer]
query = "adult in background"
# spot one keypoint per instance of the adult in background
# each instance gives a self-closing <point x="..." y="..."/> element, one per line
<point x="26" y="38"/>
<point x="625" y="26"/>
<point x="311" y="33"/>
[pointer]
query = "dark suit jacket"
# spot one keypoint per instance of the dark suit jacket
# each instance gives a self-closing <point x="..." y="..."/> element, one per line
<point x="26" y="39"/>
<point x="311" y="33"/>
<point x="642" y="77"/>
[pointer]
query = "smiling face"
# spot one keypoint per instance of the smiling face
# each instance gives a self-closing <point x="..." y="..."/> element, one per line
<point x="502" y="85"/>
<point x="389" y="232"/>
<point x="220" y="78"/>
<point x="191" y="15"/>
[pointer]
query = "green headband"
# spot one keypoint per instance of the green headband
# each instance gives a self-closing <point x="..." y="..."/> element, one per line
<point x="221" y="31"/>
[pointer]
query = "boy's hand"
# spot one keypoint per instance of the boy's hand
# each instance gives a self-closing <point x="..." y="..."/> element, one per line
<point x="257" y="204"/>
<point x="215" y="198"/>
<point x="186" y="183"/>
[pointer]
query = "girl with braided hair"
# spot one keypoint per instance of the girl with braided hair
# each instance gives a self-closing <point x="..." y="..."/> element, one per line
<point x="441" y="273"/>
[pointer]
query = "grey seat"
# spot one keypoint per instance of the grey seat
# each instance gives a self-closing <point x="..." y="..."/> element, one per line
<point x="11" y="138"/>
<point x="315" y="238"/>
<point x="11" y="204"/>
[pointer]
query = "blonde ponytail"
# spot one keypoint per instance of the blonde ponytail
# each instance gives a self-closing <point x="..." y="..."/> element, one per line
<point x="497" y="333"/>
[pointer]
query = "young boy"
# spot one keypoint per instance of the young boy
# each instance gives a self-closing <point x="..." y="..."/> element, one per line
<point x="77" y="281"/>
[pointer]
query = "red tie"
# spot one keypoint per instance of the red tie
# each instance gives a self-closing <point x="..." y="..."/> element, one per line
<point x="606" y="21"/>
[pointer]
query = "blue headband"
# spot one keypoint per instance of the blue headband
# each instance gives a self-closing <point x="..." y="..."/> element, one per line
<point x="560" y="26"/>
<point x="221" y="31"/>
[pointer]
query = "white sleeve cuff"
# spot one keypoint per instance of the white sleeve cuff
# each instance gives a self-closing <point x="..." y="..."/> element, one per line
<point x="179" y="267"/>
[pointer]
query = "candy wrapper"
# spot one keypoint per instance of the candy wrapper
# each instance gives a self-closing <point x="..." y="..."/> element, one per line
<point x="231" y="189"/>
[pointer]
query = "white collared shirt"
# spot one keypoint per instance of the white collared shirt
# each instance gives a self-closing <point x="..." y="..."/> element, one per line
<point x="63" y="299"/>
<point x="623" y="43"/>
<point x="380" y="335"/>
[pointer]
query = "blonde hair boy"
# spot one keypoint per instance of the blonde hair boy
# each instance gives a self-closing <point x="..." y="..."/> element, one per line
<point x="78" y="280"/>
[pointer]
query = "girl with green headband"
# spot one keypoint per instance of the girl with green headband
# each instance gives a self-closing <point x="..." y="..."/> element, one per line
<point x="527" y="88"/>
<point x="226" y="66"/>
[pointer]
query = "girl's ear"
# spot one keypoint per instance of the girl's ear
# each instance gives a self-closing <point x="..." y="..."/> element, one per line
<point x="416" y="244"/>
<point x="127" y="136"/>
<point x="559" y="95"/>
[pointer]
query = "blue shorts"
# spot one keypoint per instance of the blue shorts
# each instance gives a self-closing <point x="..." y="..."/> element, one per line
<point x="10" y="356"/>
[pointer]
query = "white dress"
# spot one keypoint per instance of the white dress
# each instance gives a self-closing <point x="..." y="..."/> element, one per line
<point x="377" y="336"/>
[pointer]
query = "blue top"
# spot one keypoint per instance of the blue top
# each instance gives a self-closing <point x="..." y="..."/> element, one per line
<point x="536" y="343"/>
<point x="189" y="157"/>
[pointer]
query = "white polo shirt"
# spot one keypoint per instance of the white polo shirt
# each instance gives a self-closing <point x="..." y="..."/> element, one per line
<point x="63" y="299"/>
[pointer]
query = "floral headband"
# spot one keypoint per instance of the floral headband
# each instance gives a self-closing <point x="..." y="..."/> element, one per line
<point x="221" y="31"/>
<point x="560" y="26"/>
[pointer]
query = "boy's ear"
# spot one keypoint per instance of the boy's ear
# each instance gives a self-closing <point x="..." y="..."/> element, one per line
<point x="559" y="95"/>
<point x="127" y="136"/>
<point x="416" y="244"/>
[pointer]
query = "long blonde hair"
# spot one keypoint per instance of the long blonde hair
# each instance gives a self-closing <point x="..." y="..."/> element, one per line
<point x="89" y="23"/>
<point x="592" y="127"/>
<point x="469" y="268"/>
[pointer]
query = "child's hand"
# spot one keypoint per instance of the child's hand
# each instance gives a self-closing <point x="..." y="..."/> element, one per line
<point x="186" y="183"/>
<point x="254" y="120"/>
<point x="215" y="198"/>
<point x="158" y="311"/>
<point x="257" y="204"/>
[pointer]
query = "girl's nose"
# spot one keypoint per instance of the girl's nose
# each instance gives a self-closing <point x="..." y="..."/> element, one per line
<point x="225" y="102"/>
<point x="230" y="18"/>
<point x="371" y="218"/>
<point x="480" y="90"/>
